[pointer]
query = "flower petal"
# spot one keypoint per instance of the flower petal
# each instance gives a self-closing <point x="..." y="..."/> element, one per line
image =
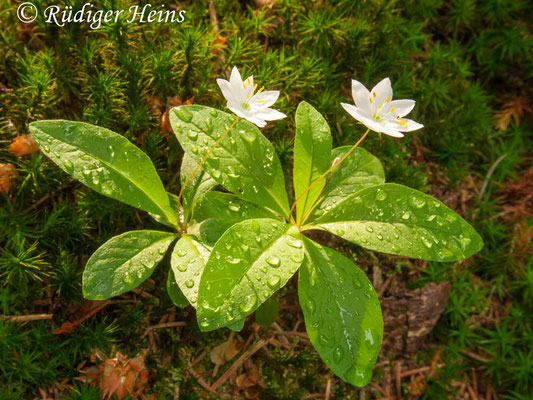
<point x="249" y="86"/>
<point x="399" y="108"/>
<point x="409" y="125"/>
<point x="361" y="96"/>
<point x="362" y="117"/>
<point x="237" y="85"/>
<point x="254" y="119"/>
<point x="225" y="88"/>
<point x="381" y="93"/>
<point x="270" y="114"/>
<point x="265" y="99"/>
<point x="236" y="108"/>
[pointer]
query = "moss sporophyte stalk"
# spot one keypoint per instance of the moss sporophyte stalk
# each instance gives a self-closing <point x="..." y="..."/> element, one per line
<point x="231" y="251"/>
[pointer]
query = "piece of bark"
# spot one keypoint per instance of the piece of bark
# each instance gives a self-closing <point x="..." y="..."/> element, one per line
<point x="410" y="315"/>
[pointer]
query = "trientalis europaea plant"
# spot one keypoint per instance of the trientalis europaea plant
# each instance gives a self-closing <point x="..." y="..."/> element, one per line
<point x="232" y="250"/>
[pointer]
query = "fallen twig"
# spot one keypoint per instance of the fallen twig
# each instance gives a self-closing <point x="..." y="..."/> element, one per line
<point x="163" y="325"/>
<point x="240" y="361"/>
<point x="26" y="318"/>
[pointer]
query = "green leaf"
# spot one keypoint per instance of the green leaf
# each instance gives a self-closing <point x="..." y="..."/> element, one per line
<point x="229" y="209"/>
<point x="174" y="291"/>
<point x="217" y="211"/>
<point x="200" y="184"/>
<point x="123" y="263"/>
<point x="312" y="156"/>
<point x="104" y="161"/>
<point x="188" y="261"/>
<point x="396" y="219"/>
<point x="244" y="162"/>
<point x="162" y="219"/>
<point x="342" y="313"/>
<point x="267" y="313"/>
<point x="237" y="326"/>
<point x="359" y="170"/>
<point x="251" y="261"/>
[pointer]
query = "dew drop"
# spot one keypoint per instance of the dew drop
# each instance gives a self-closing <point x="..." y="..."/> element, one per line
<point x="234" y="207"/>
<point x="183" y="114"/>
<point x="296" y="243"/>
<point x="111" y="151"/>
<point x="189" y="283"/>
<point x="193" y="135"/>
<point x="273" y="261"/>
<point x="406" y="215"/>
<point x="338" y="354"/>
<point x="369" y="229"/>
<point x="233" y="260"/>
<point x="273" y="280"/>
<point x="416" y="202"/>
<point x="381" y="195"/>
<point x="248" y="304"/>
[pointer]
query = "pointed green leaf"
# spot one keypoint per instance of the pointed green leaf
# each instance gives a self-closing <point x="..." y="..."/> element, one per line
<point x="123" y="263"/>
<point x="188" y="261"/>
<point x="244" y="162"/>
<point x="200" y="184"/>
<point x="174" y="291"/>
<point x="342" y="313"/>
<point x="104" y="161"/>
<point x="251" y="261"/>
<point x="312" y="156"/>
<point x="229" y="208"/>
<point x="396" y="219"/>
<point x="162" y="219"/>
<point x="217" y="211"/>
<point x="267" y="313"/>
<point x="237" y="326"/>
<point x="359" y="170"/>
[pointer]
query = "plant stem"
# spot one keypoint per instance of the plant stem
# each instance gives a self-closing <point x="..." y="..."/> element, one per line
<point x="209" y="153"/>
<point x="330" y="170"/>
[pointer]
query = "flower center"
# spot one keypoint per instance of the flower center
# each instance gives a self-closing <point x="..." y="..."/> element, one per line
<point x="245" y="106"/>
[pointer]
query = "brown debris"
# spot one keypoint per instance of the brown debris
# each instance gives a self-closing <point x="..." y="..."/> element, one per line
<point x="86" y="310"/>
<point x="161" y="109"/>
<point x="515" y="107"/>
<point x="7" y="173"/>
<point x="410" y="315"/>
<point x="224" y="352"/>
<point x="23" y="145"/>
<point x="118" y="375"/>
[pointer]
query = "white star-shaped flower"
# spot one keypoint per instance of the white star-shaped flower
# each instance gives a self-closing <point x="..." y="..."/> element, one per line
<point x="378" y="112"/>
<point x="243" y="102"/>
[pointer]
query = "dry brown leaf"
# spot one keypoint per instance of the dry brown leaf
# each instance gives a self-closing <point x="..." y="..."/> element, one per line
<point x="23" y="145"/>
<point x="251" y="382"/>
<point x="218" y="45"/>
<point x="7" y="173"/>
<point x="225" y="351"/>
<point x="117" y="375"/>
<point x="514" y="107"/>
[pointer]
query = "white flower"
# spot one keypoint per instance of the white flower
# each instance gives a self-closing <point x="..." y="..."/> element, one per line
<point x="378" y="112"/>
<point x="243" y="102"/>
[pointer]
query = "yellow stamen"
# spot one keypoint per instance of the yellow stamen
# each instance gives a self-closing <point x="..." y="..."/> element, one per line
<point x="255" y="87"/>
<point x="260" y="90"/>
<point x="388" y="99"/>
<point x="374" y="93"/>
<point x="379" y="107"/>
<point x="392" y="109"/>
<point x="401" y="121"/>
<point x="371" y="99"/>
<point x="248" y="81"/>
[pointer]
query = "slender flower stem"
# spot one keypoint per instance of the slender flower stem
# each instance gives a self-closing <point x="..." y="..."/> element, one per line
<point x="330" y="170"/>
<point x="209" y="153"/>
